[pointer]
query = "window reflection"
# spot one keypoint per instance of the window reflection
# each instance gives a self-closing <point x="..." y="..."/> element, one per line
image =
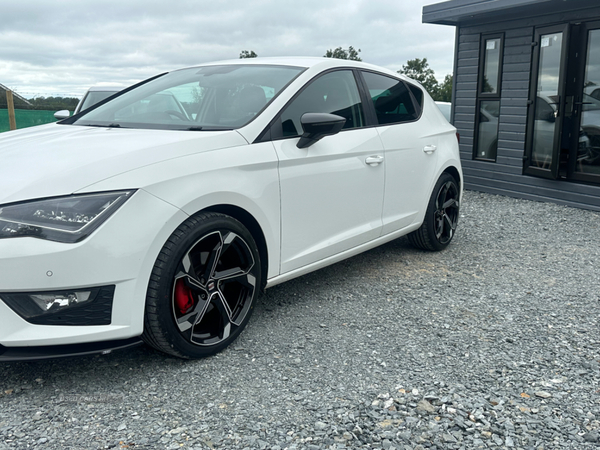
<point x="588" y="154"/>
<point x="491" y="68"/>
<point x="487" y="140"/>
<point x="391" y="99"/>
<point x="544" y="126"/>
<point x="488" y="98"/>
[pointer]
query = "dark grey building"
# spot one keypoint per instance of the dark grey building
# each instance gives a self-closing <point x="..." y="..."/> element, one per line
<point x="526" y="97"/>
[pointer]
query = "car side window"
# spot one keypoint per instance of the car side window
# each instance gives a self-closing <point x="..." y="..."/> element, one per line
<point x="391" y="99"/>
<point x="333" y="93"/>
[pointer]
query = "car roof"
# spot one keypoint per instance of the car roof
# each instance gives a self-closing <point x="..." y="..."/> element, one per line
<point x="320" y="63"/>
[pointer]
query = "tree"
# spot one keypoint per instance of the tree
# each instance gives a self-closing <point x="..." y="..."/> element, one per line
<point x="444" y="93"/>
<point x="419" y="70"/>
<point x="340" y="53"/>
<point x="54" y="103"/>
<point x="248" y="54"/>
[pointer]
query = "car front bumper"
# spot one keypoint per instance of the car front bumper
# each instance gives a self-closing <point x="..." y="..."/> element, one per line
<point x="37" y="353"/>
<point x="120" y="253"/>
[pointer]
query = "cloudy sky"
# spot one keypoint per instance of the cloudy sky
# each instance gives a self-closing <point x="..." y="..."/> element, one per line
<point x="62" y="47"/>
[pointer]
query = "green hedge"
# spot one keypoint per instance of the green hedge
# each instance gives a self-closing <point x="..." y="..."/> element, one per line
<point x="26" y="118"/>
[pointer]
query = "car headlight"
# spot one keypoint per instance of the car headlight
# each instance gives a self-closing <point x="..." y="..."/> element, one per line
<point x="62" y="219"/>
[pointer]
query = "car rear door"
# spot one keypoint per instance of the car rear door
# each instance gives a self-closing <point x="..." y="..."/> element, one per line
<point x="410" y="142"/>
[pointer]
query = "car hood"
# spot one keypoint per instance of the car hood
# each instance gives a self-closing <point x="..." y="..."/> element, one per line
<point x="52" y="160"/>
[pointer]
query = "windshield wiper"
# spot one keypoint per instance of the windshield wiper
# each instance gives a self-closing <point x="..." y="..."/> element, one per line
<point x="110" y="125"/>
<point x="209" y="128"/>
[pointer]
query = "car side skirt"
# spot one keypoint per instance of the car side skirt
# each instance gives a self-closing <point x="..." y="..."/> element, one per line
<point x="341" y="256"/>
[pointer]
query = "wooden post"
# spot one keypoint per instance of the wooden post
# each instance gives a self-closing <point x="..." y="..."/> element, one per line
<point x="11" y="110"/>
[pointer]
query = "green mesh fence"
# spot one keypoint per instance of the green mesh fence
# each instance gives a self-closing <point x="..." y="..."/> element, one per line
<point x="26" y="118"/>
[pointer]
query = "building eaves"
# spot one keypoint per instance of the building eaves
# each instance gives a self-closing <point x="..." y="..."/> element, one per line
<point x="454" y="12"/>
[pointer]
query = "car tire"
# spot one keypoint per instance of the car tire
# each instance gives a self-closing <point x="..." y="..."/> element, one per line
<point x="203" y="287"/>
<point x="441" y="217"/>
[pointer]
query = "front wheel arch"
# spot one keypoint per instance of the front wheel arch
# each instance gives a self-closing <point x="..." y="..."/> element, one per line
<point x="453" y="171"/>
<point x="252" y="225"/>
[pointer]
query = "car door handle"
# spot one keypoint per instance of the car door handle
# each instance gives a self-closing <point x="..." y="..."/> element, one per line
<point x="429" y="149"/>
<point x="374" y="160"/>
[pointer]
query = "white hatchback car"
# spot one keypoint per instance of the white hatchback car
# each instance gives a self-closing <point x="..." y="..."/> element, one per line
<point x="139" y="220"/>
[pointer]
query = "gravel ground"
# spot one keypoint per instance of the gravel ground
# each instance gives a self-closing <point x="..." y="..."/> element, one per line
<point x="492" y="343"/>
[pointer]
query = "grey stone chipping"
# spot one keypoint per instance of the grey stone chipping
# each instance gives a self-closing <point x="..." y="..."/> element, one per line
<point x="492" y="343"/>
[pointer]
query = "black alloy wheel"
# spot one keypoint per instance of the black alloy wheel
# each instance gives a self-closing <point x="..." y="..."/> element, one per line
<point x="441" y="217"/>
<point x="203" y="287"/>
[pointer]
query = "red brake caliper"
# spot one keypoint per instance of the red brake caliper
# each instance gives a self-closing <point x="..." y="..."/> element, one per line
<point x="184" y="298"/>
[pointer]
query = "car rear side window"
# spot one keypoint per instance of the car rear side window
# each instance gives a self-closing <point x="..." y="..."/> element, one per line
<point x="417" y="94"/>
<point x="391" y="99"/>
<point x="333" y="93"/>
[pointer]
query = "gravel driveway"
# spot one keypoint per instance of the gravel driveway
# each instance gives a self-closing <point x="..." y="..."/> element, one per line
<point x="492" y="343"/>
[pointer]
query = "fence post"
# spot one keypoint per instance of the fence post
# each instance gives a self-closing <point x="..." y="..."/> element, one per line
<point x="11" y="110"/>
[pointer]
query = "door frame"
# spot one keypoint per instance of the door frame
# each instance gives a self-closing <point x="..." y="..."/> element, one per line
<point x="553" y="171"/>
<point x="579" y="46"/>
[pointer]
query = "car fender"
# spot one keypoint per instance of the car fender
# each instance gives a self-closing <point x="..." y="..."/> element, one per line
<point x="197" y="182"/>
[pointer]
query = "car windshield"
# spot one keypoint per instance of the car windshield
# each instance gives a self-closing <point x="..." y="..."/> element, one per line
<point x="206" y="98"/>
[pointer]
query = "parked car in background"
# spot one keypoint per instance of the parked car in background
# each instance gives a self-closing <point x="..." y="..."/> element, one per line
<point x="164" y="212"/>
<point x="94" y="95"/>
<point x="445" y="108"/>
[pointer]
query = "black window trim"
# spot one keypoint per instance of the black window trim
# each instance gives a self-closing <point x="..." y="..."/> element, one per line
<point x="481" y="69"/>
<point x="416" y="104"/>
<point x="273" y="131"/>
<point x="276" y="134"/>
<point x="487" y="96"/>
<point x="365" y="98"/>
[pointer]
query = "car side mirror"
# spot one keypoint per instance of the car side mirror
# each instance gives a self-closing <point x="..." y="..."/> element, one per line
<point x="318" y="125"/>
<point x="550" y="117"/>
<point x="62" y="114"/>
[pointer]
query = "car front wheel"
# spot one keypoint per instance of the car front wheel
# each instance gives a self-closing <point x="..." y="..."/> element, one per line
<point x="203" y="287"/>
<point x="441" y="217"/>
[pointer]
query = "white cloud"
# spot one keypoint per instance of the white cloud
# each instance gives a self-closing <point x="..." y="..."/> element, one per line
<point x="63" y="47"/>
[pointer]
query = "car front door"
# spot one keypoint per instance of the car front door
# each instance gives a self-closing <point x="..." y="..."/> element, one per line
<point x="331" y="191"/>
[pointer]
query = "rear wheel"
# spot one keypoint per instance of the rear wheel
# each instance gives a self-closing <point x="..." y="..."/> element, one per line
<point x="441" y="217"/>
<point x="203" y="287"/>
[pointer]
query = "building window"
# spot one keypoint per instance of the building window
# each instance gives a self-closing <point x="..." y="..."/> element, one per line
<point x="488" y="97"/>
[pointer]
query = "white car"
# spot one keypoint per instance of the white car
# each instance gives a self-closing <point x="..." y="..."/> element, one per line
<point x="136" y="220"/>
<point x="94" y="95"/>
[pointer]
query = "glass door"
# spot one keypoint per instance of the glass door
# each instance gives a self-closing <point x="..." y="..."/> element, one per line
<point x="546" y="102"/>
<point x="584" y="154"/>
